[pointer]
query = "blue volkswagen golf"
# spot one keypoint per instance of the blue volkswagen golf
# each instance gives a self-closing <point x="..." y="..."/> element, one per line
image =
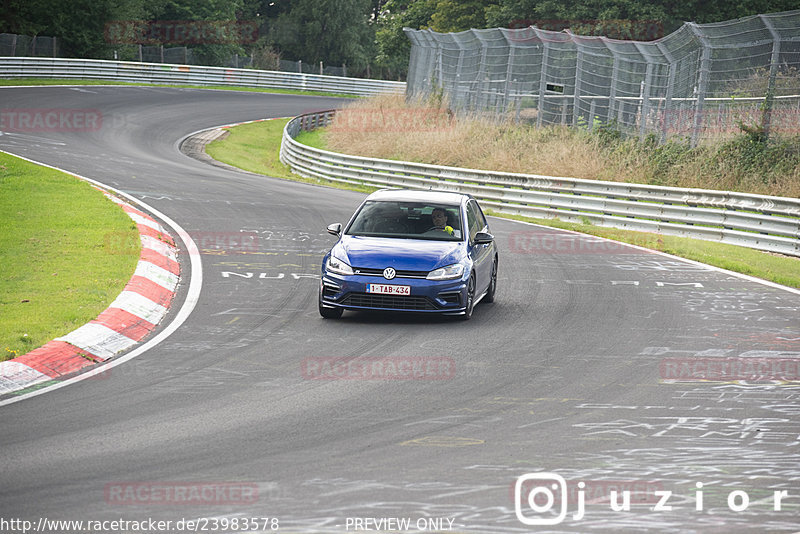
<point x="420" y="251"/>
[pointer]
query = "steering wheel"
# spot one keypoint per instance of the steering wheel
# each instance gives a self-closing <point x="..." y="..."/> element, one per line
<point x="395" y="227"/>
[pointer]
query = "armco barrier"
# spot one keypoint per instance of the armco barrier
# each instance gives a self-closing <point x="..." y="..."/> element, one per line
<point x="124" y="71"/>
<point x="761" y="222"/>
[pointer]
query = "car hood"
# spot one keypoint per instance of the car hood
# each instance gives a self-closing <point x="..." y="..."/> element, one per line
<point x="402" y="254"/>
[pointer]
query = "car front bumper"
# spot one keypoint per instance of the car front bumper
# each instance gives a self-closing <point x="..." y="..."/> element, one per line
<point x="427" y="296"/>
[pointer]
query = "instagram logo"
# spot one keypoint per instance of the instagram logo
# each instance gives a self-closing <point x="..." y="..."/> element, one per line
<point x="540" y="498"/>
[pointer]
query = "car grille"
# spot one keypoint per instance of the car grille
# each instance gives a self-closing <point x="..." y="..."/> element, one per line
<point x="396" y="302"/>
<point x="400" y="274"/>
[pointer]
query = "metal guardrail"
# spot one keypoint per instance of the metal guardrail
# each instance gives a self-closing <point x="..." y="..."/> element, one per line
<point x="756" y="221"/>
<point x="125" y="71"/>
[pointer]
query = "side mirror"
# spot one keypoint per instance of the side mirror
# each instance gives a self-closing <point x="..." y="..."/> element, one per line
<point x="335" y="229"/>
<point x="483" y="238"/>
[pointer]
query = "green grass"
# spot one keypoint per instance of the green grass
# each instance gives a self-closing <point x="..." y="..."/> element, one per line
<point x="50" y="81"/>
<point x="66" y="252"/>
<point x="260" y="142"/>
<point x="314" y="138"/>
<point x="255" y="147"/>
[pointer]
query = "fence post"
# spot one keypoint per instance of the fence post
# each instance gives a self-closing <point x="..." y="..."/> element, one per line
<point x="161" y="49"/>
<point x="612" y="94"/>
<point x="320" y="68"/>
<point x="702" y="83"/>
<point x="461" y="93"/>
<point x="14" y="45"/>
<point x="542" y="78"/>
<point x="670" y="90"/>
<point x="300" y="66"/>
<point x="55" y="54"/>
<point x="140" y="53"/>
<point x="769" y="98"/>
<point x="509" y="76"/>
<point x="648" y="84"/>
<point x="578" y="79"/>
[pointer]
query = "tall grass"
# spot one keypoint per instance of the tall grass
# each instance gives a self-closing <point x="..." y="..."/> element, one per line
<point x="389" y="127"/>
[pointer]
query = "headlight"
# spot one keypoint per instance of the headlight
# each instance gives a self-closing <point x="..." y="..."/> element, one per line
<point x="447" y="273"/>
<point x="337" y="266"/>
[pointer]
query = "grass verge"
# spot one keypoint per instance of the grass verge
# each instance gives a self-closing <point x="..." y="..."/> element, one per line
<point x="255" y="147"/>
<point x="49" y="81"/>
<point x="66" y="252"/>
<point x="260" y="142"/>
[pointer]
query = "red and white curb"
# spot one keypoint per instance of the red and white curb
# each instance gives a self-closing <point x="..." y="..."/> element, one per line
<point x="133" y="315"/>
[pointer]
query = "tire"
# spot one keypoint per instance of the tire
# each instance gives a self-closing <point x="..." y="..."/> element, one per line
<point x="492" y="285"/>
<point x="328" y="313"/>
<point x="470" y="298"/>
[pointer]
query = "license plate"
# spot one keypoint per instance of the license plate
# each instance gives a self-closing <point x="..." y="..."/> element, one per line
<point x="388" y="290"/>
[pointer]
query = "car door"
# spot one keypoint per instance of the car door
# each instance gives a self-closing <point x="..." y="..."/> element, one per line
<point x="482" y="255"/>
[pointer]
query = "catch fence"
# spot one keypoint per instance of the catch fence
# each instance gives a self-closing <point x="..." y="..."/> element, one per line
<point x="700" y="82"/>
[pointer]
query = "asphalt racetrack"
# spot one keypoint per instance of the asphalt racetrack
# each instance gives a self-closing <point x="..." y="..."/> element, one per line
<point x="579" y="370"/>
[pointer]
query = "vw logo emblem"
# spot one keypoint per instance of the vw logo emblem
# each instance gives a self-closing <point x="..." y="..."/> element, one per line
<point x="389" y="273"/>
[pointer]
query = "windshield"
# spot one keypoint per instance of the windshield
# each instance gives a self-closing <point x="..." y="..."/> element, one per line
<point x="408" y="220"/>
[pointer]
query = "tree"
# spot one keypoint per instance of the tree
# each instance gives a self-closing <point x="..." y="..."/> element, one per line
<point x="78" y="25"/>
<point x="586" y="17"/>
<point x="393" y="47"/>
<point x="332" y="31"/>
<point x="457" y="16"/>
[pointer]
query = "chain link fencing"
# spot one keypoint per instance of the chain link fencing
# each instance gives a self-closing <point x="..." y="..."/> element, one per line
<point x="12" y="45"/>
<point x="701" y="82"/>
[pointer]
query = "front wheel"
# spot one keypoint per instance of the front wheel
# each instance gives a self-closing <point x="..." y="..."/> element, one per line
<point x="330" y="313"/>
<point x="492" y="284"/>
<point x="470" y="298"/>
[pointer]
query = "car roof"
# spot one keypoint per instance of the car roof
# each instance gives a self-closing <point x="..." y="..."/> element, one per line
<point x="407" y="195"/>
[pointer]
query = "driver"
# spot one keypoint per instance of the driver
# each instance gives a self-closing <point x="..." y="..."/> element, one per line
<point x="439" y="218"/>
